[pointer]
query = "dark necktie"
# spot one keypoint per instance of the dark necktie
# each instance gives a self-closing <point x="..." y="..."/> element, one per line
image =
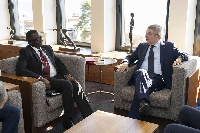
<point x="151" y="62"/>
<point x="46" y="69"/>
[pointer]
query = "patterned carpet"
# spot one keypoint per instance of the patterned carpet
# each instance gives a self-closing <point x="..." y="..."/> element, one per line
<point x="98" y="101"/>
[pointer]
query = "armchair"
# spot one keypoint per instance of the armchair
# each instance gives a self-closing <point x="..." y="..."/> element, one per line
<point x="165" y="103"/>
<point x="14" y="98"/>
<point x="43" y="109"/>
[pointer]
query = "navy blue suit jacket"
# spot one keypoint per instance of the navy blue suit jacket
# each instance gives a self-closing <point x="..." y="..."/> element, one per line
<point x="168" y="54"/>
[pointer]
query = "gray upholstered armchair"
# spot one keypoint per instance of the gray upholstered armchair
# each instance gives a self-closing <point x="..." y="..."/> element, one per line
<point x="14" y="98"/>
<point x="44" y="109"/>
<point x="165" y="103"/>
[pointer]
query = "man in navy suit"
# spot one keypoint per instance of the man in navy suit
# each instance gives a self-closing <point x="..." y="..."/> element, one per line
<point x="9" y="114"/>
<point x="39" y="61"/>
<point x="155" y="61"/>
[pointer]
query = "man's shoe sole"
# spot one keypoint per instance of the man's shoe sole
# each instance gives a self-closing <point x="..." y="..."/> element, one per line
<point x="144" y="108"/>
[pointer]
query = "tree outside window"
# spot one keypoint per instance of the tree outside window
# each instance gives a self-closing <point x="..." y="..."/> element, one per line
<point x="78" y="20"/>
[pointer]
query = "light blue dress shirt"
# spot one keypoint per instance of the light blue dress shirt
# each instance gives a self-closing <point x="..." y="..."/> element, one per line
<point x="157" y="65"/>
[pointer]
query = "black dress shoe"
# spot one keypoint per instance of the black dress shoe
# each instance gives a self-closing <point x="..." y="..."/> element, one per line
<point x="67" y="124"/>
<point x="144" y="106"/>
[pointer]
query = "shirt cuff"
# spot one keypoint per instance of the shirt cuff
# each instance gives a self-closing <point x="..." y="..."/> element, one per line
<point x="40" y="78"/>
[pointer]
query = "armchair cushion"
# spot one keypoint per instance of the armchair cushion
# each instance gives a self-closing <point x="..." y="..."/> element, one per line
<point x="159" y="99"/>
<point x="128" y="93"/>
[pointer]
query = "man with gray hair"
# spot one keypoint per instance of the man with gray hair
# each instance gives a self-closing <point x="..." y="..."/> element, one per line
<point x="155" y="60"/>
<point x="9" y="114"/>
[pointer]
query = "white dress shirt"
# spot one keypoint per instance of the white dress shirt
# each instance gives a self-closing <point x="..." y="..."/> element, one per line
<point x="53" y="71"/>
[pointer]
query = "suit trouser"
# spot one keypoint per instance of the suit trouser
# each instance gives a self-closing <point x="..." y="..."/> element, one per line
<point x="70" y="92"/>
<point x="9" y="115"/>
<point x="144" y="86"/>
<point x="188" y="119"/>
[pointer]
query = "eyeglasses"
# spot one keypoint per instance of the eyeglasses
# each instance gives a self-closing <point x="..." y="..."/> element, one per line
<point x="149" y="34"/>
<point x="38" y="39"/>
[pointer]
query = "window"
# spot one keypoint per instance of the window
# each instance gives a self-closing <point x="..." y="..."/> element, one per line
<point x="21" y="17"/>
<point x="25" y="16"/>
<point x="78" y="21"/>
<point x="146" y="12"/>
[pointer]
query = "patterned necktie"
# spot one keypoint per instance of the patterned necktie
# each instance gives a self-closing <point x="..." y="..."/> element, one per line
<point x="151" y="62"/>
<point x="46" y="67"/>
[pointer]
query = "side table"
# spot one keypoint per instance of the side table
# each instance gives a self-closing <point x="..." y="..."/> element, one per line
<point x="100" y="62"/>
<point x="10" y="87"/>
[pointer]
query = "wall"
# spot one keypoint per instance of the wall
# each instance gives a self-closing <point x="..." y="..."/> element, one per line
<point x="181" y="24"/>
<point x="110" y="25"/>
<point x="4" y="20"/>
<point x="44" y="18"/>
<point x="97" y="25"/>
<point x="190" y="26"/>
<point x="49" y="11"/>
<point x="103" y="23"/>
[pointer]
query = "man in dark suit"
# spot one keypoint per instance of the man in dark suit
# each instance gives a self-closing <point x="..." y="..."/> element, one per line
<point x="9" y="114"/>
<point x="39" y="62"/>
<point x="155" y="61"/>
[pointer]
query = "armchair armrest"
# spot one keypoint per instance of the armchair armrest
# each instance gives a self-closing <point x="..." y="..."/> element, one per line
<point x="75" y="65"/>
<point x="179" y="76"/>
<point x="25" y="84"/>
<point x="120" y="81"/>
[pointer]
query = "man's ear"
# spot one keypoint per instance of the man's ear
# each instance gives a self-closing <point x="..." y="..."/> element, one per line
<point x="159" y="36"/>
<point x="30" y="43"/>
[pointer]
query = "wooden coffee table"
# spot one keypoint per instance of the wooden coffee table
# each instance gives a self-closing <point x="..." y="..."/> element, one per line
<point x="103" y="122"/>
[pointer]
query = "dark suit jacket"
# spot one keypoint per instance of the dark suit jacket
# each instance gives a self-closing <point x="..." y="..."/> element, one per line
<point x="168" y="54"/>
<point x="30" y="65"/>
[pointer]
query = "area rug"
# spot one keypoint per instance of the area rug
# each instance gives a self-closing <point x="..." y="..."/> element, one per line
<point x="97" y="101"/>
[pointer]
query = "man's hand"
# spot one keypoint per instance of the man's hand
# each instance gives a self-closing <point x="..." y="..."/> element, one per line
<point x="46" y="82"/>
<point x="177" y="62"/>
<point x="122" y="67"/>
<point x="70" y="78"/>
